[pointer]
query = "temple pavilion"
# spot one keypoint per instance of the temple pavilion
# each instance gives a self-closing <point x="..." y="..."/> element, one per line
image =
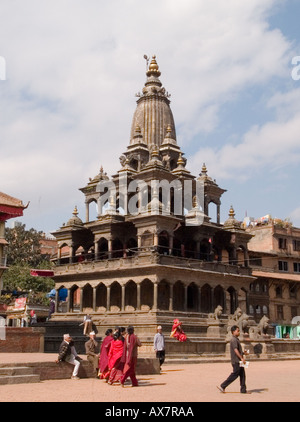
<point x="153" y="252"/>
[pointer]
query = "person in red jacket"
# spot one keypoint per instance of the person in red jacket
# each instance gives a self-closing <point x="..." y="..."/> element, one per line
<point x="177" y="331"/>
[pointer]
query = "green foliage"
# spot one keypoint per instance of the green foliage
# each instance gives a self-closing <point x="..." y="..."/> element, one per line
<point x="23" y="254"/>
<point x="18" y="277"/>
<point x="23" y="246"/>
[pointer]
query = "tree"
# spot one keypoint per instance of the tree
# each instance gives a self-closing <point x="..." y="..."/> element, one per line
<point x="23" y="253"/>
<point x="23" y="246"/>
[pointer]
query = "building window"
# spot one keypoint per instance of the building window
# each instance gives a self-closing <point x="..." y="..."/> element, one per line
<point x="257" y="287"/>
<point x="296" y="245"/>
<point x="293" y="290"/>
<point x="265" y="310"/>
<point x="296" y="267"/>
<point x="282" y="243"/>
<point x="251" y="309"/>
<point x="294" y="311"/>
<point x="256" y="262"/>
<point x="280" y="312"/>
<point x="257" y="309"/>
<point x="283" y="266"/>
<point x="278" y="291"/>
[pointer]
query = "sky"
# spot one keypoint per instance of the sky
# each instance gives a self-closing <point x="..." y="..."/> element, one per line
<point x="73" y="67"/>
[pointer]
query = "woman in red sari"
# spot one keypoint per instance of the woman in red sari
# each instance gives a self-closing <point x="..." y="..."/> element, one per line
<point x="132" y="344"/>
<point x="177" y="331"/>
<point x="103" y="359"/>
<point x="115" y="354"/>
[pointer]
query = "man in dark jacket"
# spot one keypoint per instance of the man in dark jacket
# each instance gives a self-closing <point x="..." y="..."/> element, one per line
<point x="67" y="353"/>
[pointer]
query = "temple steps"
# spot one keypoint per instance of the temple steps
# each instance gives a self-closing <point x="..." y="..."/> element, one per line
<point x="18" y="375"/>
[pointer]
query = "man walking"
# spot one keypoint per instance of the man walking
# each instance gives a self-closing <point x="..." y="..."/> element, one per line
<point x="237" y="355"/>
<point x="67" y="353"/>
<point x="159" y="345"/>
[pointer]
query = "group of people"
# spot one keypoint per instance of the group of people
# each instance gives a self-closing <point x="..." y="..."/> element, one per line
<point x="117" y="359"/>
<point x="119" y="351"/>
<point x="118" y="356"/>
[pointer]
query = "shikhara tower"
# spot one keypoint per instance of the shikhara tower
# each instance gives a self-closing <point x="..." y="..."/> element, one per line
<point x="168" y="258"/>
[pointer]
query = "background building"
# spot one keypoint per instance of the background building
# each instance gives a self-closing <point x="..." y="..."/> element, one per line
<point x="274" y="252"/>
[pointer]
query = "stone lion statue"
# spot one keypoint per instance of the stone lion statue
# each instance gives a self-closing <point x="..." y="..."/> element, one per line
<point x="217" y="313"/>
<point x="261" y="328"/>
<point x="239" y="318"/>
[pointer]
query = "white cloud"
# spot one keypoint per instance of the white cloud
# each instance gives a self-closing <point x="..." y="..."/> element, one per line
<point x="73" y="68"/>
<point x="271" y="146"/>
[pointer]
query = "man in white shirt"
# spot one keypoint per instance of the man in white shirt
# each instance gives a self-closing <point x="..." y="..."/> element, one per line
<point x="67" y="353"/>
<point x="159" y="345"/>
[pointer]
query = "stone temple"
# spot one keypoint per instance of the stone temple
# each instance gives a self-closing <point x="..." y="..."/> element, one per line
<point x="154" y="253"/>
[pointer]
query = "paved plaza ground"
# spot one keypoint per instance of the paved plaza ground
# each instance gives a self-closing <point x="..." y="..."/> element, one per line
<point x="268" y="381"/>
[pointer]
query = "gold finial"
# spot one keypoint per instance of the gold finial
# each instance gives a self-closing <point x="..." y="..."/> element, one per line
<point x="231" y="212"/>
<point x="153" y="68"/>
<point x="204" y="169"/>
<point x="180" y="161"/>
<point x="75" y="212"/>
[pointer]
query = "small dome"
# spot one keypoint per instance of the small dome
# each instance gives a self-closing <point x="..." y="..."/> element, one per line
<point x="231" y="222"/>
<point x="75" y="220"/>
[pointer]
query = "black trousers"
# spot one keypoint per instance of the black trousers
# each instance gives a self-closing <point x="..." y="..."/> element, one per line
<point x="160" y="354"/>
<point x="237" y="372"/>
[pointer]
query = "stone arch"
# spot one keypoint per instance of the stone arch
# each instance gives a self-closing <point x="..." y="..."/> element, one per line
<point x="163" y="297"/>
<point x="101" y="296"/>
<point x="206" y="305"/>
<point x="219" y="297"/>
<point x="192" y="297"/>
<point x="231" y="299"/>
<point x="87" y="297"/>
<point x="178" y="296"/>
<point x="147" y="290"/>
<point x="92" y="216"/>
<point x="117" y="248"/>
<point x="75" y="298"/>
<point x="102" y="248"/>
<point x="131" y="295"/>
<point x="115" y="296"/>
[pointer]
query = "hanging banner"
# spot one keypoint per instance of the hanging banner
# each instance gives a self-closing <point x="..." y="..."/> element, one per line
<point x="42" y="273"/>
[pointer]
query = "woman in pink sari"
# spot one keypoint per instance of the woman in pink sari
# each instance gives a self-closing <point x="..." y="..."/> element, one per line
<point x="177" y="331"/>
<point x="114" y="356"/>
<point x="103" y="360"/>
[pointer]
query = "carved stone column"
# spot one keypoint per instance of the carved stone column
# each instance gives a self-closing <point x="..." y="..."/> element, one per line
<point x="155" y="290"/>
<point x="171" y="298"/>
<point x="138" y="296"/>
<point x="108" y="299"/>
<point x="68" y="301"/>
<point x="123" y="299"/>
<point x="94" y="298"/>
<point x="81" y="299"/>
